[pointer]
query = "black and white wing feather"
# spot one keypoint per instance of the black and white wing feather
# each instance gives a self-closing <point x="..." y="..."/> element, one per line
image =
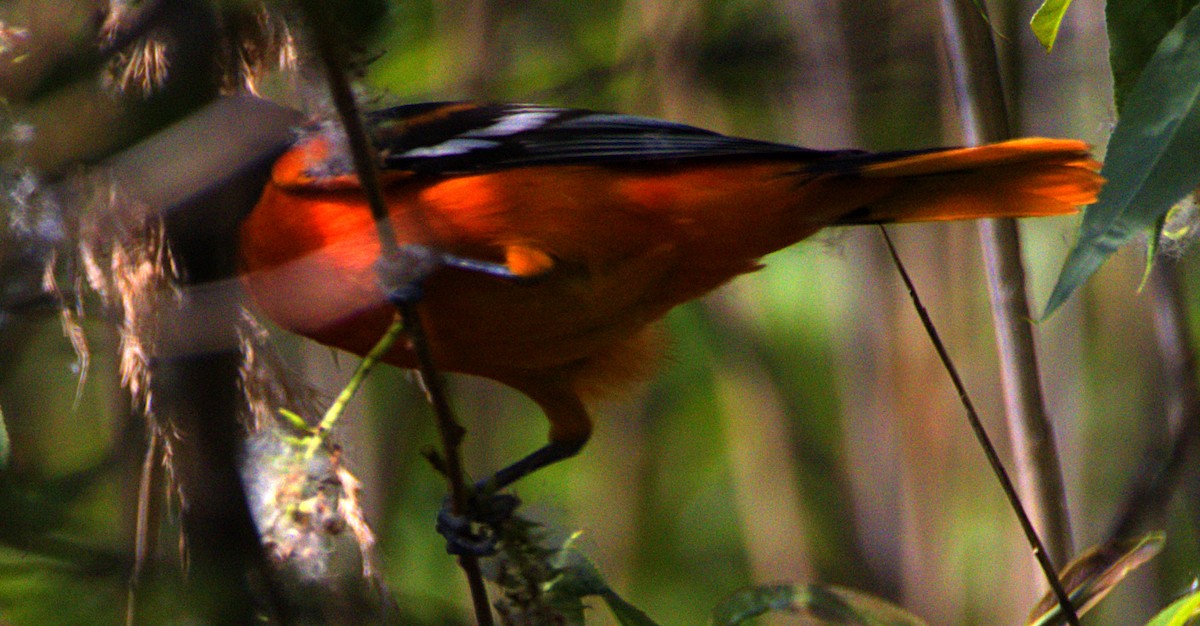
<point x="458" y="138"/>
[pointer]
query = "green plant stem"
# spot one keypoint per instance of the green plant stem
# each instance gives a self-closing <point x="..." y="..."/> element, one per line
<point x="338" y="407"/>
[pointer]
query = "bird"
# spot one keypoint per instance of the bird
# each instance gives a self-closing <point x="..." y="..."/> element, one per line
<point x="560" y="236"/>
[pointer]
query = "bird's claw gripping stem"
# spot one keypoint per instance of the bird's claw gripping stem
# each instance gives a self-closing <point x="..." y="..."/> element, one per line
<point x="476" y="531"/>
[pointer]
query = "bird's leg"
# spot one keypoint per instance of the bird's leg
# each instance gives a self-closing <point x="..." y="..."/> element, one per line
<point x="544" y="456"/>
<point x="475" y="531"/>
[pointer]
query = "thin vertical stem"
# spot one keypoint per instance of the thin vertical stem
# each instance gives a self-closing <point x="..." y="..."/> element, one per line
<point x="1036" y="461"/>
<point x="1151" y="491"/>
<point x="985" y="118"/>
<point x="985" y="441"/>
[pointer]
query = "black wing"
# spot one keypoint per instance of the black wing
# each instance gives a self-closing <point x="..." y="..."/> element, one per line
<point x="456" y="138"/>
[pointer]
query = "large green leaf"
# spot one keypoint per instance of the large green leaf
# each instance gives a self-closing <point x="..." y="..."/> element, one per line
<point x="1047" y="20"/>
<point x="1135" y="29"/>
<point x="1151" y="161"/>
<point x="825" y="604"/>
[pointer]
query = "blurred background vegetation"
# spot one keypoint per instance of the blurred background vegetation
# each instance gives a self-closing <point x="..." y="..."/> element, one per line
<point x="801" y="428"/>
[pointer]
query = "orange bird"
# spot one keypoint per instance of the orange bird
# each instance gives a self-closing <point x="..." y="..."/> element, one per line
<point x="608" y="221"/>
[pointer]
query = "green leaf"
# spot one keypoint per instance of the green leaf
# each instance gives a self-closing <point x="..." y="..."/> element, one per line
<point x="752" y="602"/>
<point x="626" y="613"/>
<point x="1153" y="245"/>
<point x="825" y="604"/>
<point x="1180" y="613"/>
<point x="1151" y="161"/>
<point x="579" y="578"/>
<point x="1135" y="30"/>
<point x="1094" y="574"/>
<point x="1047" y="20"/>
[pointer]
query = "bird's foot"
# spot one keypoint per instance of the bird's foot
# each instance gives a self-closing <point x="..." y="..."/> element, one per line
<point x="476" y="531"/>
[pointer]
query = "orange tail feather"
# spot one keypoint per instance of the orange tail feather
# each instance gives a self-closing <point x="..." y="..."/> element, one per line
<point x="1019" y="178"/>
